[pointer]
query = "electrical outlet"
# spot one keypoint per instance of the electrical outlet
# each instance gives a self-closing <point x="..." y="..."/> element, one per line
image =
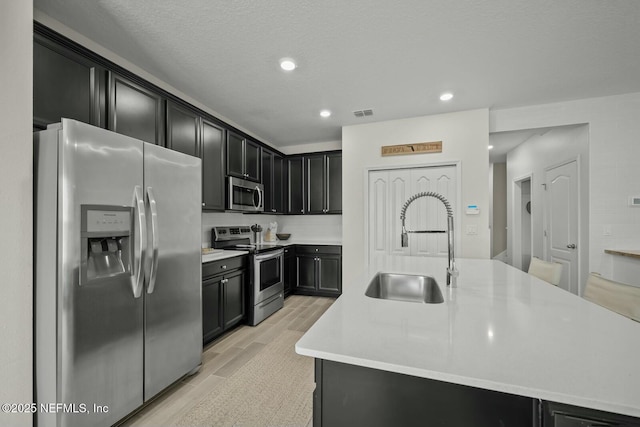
<point x="472" y="229"/>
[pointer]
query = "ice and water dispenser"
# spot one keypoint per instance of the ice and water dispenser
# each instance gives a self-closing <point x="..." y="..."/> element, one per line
<point x="107" y="241"/>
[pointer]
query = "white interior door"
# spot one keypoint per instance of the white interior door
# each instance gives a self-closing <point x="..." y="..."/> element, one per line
<point x="561" y="209"/>
<point x="389" y="190"/>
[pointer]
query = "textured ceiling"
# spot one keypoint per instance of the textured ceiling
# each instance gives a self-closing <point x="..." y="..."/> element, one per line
<point x="394" y="57"/>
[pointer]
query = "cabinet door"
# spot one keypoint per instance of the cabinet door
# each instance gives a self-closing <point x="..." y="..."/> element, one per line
<point x="135" y="111"/>
<point x="267" y="180"/>
<point x="306" y="272"/>
<point x="234" y="301"/>
<point x="252" y="160"/>
<point x="315" y="184"/>
<point x="235" y="159"/>
<point x="330" y="273"/>
<point x="561" y="415"/>
<point x="295" y="185"/>
<point x="211" y="308"/>
<point x="289" y="276"/>
<point x="65" y="85"/>
<point x="212" y="166"/>
<point x="278" y="180"/>
<point x="334" y="183"/>
<point x="182" y="130"/>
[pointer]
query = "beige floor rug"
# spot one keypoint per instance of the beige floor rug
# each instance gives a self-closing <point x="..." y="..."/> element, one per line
<point x="273" y="389"/>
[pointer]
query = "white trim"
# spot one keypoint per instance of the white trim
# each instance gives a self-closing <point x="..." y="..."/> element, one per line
<point x="515" y="242"/>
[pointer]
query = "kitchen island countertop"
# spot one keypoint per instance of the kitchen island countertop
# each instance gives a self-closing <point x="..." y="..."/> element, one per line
<point x="500" y="329"/>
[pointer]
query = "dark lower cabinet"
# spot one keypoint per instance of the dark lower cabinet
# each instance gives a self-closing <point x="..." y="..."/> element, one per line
<point x="135" y="111"/>
<point x="289" y="277"/>
<point x="349" y="395"/>
<point x="224" y="299"/>
<point x="233" y="293"/>
<point x="211" y="312"/>
<point x="561" y="415"/>
<point x="318" y="270"/>
<point x="65" y="84"/>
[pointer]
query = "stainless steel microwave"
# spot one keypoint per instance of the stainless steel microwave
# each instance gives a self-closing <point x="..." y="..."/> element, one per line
<point x="244" y="195"/>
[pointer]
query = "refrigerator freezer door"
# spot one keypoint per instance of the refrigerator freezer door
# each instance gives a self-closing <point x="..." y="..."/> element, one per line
<point x="100" y="322"/>
<point x="173" y="319"/>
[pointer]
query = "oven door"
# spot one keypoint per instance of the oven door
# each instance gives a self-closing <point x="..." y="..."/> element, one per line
<point x="268" y="275"/>
<point x="245" y="195"/>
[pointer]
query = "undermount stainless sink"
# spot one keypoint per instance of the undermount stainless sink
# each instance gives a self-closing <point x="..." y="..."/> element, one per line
<point x="404" y="287"/>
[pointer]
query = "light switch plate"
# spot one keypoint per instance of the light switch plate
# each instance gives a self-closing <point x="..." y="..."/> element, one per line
<point x="472" y="229"/>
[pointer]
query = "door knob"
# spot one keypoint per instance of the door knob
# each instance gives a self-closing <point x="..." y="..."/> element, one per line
<point x="571" y="246"/>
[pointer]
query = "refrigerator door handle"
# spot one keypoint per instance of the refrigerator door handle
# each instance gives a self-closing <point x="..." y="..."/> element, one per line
<point x="137" y="281"/>
<point x="155" y="244"/>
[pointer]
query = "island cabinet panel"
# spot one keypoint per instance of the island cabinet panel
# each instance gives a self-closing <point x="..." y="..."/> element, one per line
<point x="561" y="415"/>
<point x="212" y="154"/>
<point x="65" y="85"/>
<point x="224" y="297"/>
<point x="135" y="111"/>
<point x="295" y="185"/>
<point x="349" y="395"/>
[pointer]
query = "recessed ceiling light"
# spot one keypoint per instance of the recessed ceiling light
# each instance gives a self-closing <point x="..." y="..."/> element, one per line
<point x="446" y="96"/>
<point x="325" y="113"/>
<point x="287" y="64"/>
<point x="491" y="147"/>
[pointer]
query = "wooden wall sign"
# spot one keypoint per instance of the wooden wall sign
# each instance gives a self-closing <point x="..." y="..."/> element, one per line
<point x="418" y="148"/>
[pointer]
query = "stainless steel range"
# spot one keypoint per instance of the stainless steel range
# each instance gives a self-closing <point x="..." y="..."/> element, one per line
<point x="266" y="286"/>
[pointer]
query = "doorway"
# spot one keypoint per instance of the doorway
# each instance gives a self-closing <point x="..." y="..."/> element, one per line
<point x="522" y="222"/>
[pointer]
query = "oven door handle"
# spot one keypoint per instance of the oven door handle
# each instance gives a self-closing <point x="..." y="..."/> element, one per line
<point x="270" y="255"/>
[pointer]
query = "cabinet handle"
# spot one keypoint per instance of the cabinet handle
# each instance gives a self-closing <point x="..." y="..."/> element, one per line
<point x="302" y="210"/>
<point x="316" y="249"/>
<point x="224" y="280"/>
<point x="273" y="210"/>
<point x="202" y="204"/>
<point x="224" y="267"/>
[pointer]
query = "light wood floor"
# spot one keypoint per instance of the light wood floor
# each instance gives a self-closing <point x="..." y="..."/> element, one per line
<point x="225" y="356"/>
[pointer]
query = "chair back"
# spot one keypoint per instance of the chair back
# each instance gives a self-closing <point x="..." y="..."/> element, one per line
<point x="616" y="296"/>
<point x="547" y="271"/>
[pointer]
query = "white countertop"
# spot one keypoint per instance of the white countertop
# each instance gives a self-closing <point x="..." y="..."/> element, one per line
<point x="500" y="329"/>
<point x="219" y="254"/>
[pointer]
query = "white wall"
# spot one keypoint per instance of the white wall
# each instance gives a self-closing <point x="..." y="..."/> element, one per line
<point x="498" y="190"/>
<point x="614" y="150"/>
<point x="464" y="136"/>
<point x="303" y="228"/>
<point x="310" y="148"/>
<point x="16" y="192"/>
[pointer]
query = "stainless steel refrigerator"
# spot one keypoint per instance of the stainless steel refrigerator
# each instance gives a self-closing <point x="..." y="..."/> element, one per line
<point x="118" y="274"/>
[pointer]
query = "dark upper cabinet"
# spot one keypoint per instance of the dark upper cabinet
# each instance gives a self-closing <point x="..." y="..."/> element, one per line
<point x="334" y="183"/>
<point x="212" y="154"/>
<point x="323" y="183"/>
<point x="315" y="183"/>
<point x="135" y="110"/>
<point x="243" y="157"/>
<point x="561" y="415"/>
<point x="279" y="172"/>
<point x="295" y="185"/>
<point x="272" y="180"/>
<point x="183" y="130"/>
<point x="67" y="85"/>
<point x="252" y="160"/>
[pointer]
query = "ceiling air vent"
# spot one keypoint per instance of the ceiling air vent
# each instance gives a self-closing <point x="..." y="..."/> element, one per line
<point x="363" y="113"/>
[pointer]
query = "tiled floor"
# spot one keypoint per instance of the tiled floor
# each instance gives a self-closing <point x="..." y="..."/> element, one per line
<point x="225" y="356"/>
